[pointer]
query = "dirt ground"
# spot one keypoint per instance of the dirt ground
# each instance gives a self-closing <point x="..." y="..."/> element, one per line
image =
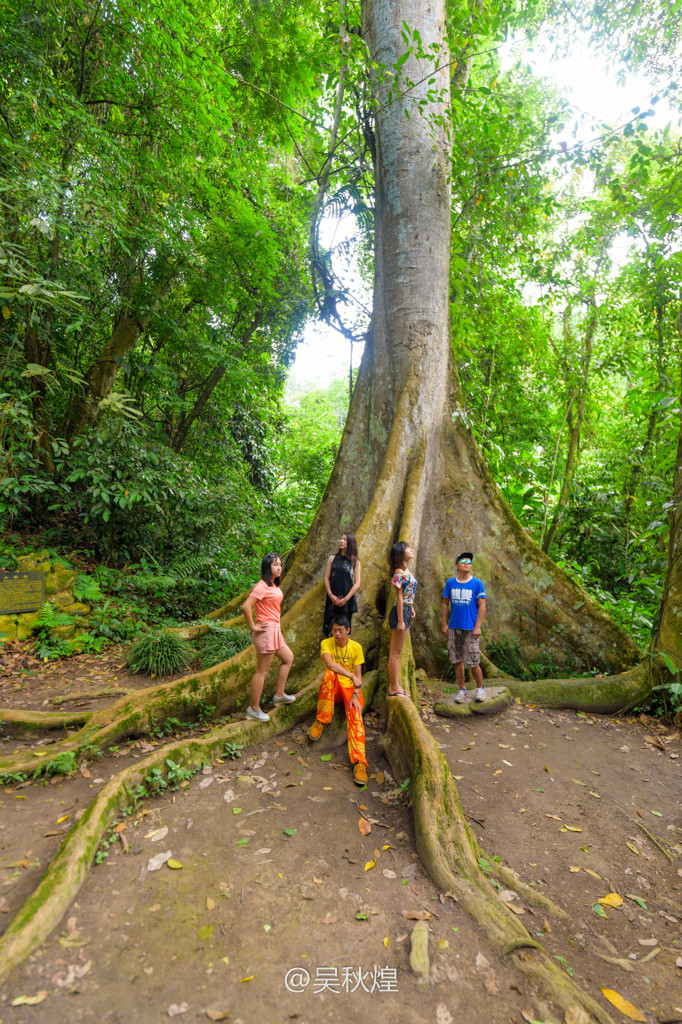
<point x="253" y="895"/>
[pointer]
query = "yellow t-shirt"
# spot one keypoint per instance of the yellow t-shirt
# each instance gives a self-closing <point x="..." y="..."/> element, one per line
<point x="348" y="656"/>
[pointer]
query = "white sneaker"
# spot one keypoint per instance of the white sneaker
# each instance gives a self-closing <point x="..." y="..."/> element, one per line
<point x="461" y="697"/>
<point x="286" y="698"/>
<point x="480" y="694"/>
<point x="258" y="716"/>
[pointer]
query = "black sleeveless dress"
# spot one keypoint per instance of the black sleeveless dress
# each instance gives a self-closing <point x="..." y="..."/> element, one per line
<point x="340" y="581"/>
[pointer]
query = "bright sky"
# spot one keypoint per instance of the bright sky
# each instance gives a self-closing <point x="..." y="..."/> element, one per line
<point x="323" y="355"/>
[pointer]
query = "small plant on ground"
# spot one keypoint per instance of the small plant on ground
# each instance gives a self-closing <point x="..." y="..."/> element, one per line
<point x="222" y="643"/>
<point x="62" y="764"/>
<point x="9" y="778"/>
<point x="159" y="654"/>
<point x="232" y="751"/>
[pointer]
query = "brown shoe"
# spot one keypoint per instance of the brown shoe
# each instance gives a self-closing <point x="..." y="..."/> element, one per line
<point x="316" y="730"/>
<point x="360" y="774"/>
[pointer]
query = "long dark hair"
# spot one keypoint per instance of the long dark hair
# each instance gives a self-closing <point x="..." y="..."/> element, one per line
<point x="265" y="573"/>
<point x="396" y="559"/>
<point x="351" y="548"/>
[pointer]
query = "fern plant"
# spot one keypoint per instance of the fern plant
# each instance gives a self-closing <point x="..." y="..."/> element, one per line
<point x="159" y="654"/>
<point x="85" y="588"/>
<point x="222" y="643"/>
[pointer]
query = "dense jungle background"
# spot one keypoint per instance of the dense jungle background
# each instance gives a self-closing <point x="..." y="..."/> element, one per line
<point x="164" y="180"/>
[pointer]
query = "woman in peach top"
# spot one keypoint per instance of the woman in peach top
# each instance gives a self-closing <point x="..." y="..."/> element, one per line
<point x="266" y="599"/>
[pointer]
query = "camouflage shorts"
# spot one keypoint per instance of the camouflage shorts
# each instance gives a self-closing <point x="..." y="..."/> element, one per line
<point x="464" y="646"/>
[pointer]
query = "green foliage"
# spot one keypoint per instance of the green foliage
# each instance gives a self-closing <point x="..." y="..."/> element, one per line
<point x="86" y="588"/>
<point x="62" y="764"/>
<point x="220" y="644"/>
<point x="159" y="654"/>
<point x="231" y="751"/>
<point x="12" y="778"/>
<point x="505" y="652"/>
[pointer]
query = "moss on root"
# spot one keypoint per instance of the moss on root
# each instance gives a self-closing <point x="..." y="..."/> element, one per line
<point x="450" y="852"/>
<point x="30" y="723"/>
<point x="221" y="687"/>
<point x="66" y="872"/>
<point x="600" y="695"/>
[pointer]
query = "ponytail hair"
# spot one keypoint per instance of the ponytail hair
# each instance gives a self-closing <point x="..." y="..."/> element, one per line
<point x="396" y="559"/>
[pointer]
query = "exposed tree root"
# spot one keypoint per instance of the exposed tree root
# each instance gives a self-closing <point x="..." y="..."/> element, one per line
<point x="200" y="628"/>
<point x="221" y="688"/>
<point x="450" y="853"/>
<point x="604" y="695"/>
<point x="66" y="872"/>
<point x="90" y="695"/>
<point x="20" y="723"/>
<point x="498" y="699"/>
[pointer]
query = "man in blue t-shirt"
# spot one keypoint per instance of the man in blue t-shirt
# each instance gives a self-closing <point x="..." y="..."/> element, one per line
<point x="465" y="596"/>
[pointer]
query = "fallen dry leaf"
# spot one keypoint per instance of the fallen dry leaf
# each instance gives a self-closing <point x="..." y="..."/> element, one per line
<point x="157" y="862"/>
<point x="215" y="1014"/>
<point x="612" y="899"/>
<point x="573" y="828"/>
<point x="576" y="1014"/>
<point x="369" y="865"/>
<point x="617" y="961"/>
<point x="210" y="904"/>
<point x="416" y="915"/>
<point x="654" y="741"/>
<point x="30" y="1000"/>
<point x="177" y="1008"/>
<point x="623" y="1006"/>
<point x="648" y="942"/>
<point x="554" y="817"/>
<point x="573" y="869"/>
<point x="364" y="826"/>
<point x="594" y="874"/>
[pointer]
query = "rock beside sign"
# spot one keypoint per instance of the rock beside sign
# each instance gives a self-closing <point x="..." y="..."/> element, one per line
<point x="58" y="590"/>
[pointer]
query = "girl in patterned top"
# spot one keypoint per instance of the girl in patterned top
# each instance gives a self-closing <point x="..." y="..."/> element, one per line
<point x="401" y="613"/>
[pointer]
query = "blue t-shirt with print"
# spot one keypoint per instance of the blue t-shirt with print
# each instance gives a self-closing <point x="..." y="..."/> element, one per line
<point x="463" y="598"/>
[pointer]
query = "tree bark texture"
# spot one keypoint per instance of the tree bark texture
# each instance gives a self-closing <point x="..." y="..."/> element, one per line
<point x="668" y="636"/>
<point x="100" y="377"/>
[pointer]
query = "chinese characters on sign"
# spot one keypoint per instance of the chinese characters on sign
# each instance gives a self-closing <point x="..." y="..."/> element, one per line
<point x="342" y="979"/>
<point x="21" y="592"/>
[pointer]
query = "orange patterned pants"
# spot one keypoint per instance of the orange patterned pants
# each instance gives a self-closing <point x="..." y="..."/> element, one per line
<point x="333" y="690"/>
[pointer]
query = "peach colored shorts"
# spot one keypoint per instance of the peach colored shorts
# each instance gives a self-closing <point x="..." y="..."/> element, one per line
<point x="267" y="637"/>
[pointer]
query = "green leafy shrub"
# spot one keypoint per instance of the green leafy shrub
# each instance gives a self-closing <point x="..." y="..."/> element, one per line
<point x="222" y="643"/>
<point x="159" y="654"/>
<point x="62" y="764"/>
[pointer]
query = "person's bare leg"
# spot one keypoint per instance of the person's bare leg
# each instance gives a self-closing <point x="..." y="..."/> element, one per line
<point x="286" y="657"/>
<point x="397" y="644"/>
<point x="263" y="662"/>
<point x="478" y="675"/>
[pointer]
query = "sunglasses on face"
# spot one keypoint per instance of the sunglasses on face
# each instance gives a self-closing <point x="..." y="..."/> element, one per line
<point x="465" y="561"/>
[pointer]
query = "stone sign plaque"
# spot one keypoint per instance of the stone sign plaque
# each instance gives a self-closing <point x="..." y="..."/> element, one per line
<point x="21" y="592"/>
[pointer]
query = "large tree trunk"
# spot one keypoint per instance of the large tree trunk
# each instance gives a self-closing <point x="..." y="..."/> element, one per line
<point x="407" y="443"/>
<point x="100" y="377"/>
<point x="668" y="636"/>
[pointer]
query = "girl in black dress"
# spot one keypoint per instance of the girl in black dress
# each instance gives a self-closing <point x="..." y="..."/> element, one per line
<point x="342" y="579"/>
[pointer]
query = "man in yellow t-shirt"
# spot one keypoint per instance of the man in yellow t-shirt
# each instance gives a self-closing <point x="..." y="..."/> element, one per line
<point x="343" y="659"/>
